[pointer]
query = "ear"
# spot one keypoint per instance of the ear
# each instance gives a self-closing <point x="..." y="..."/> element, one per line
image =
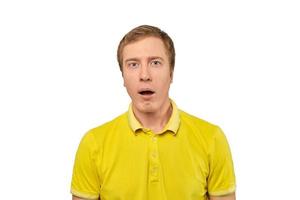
<point x="171" y="76"/>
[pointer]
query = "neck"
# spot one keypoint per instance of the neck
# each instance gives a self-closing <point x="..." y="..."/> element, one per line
<point x="155" y="121"/>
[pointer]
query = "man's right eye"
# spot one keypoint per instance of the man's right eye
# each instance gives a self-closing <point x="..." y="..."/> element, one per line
<point x="133" y="65"/>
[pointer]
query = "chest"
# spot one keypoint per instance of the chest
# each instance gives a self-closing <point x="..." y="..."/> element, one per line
<point x="153" y="167"/>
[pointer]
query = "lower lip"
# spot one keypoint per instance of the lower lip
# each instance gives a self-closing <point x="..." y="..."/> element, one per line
<point x="147" y="96"/>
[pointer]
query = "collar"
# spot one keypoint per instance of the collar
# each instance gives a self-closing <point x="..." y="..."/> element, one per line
<point x="172" y="125"/>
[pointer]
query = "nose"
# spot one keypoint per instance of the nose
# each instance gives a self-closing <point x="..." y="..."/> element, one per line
<point x="145" y="73"/>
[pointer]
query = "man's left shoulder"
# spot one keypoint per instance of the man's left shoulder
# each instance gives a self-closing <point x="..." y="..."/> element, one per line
<point x="198" y="124"/>
<point x="197" y="121"/>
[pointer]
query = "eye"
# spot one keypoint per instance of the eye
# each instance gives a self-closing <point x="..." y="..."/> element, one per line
<point x="155" y="63"/>
<point x="133" y="65"/>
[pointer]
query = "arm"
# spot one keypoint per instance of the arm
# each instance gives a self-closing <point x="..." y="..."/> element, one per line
<point x="221" y="178"/>
<point x="76" y="198"/>
<point x="225" y="197"/>
<point x="85" y="183"/>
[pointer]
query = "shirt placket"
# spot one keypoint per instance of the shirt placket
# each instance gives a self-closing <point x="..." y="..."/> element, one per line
<point x="153" y="159"/>
<point x="155" y="190"/>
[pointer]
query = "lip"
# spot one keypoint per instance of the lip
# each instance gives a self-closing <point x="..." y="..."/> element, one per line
<point x="145" y="89"/>
<point x="146" y="96"/>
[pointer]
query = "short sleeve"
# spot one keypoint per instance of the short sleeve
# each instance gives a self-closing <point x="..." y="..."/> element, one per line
<point x="85" y="179"/>
<point x="221" y="179"/>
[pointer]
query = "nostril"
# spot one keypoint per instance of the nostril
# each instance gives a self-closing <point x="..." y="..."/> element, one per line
<point x="145" y="79"/>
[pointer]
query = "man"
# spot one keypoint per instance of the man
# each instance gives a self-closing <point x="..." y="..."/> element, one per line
<point x="154" y="151"/>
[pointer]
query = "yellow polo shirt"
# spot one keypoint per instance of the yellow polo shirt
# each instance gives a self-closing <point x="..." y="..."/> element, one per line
<point x="121" y="160"/>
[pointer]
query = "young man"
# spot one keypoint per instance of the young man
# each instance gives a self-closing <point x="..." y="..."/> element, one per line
<point x="153" y="151"/>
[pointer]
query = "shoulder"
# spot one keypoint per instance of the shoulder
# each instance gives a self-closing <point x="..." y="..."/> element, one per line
<point x="200" y="127"/>
<point x="99" y="132"/>
<point x="196" y="122"/>
<point x="207" y="135"/>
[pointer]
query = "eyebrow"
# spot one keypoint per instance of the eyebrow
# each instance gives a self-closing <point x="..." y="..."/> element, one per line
<point x="155" y="57"/>
<point x="131" y="59"/>
<point x="149" y="58"/>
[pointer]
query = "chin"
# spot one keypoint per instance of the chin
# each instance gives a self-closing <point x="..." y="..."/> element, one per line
<point x="145" y="107"/>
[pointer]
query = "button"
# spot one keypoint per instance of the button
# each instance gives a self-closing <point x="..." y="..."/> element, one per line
<point x="154" y="139"/>
<point x="154" y="155"/>
<point x="154" y="170"/>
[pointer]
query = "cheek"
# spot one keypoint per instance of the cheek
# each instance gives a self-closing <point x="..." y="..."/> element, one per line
<point x="126" y="80"/>
<point x="165" y="84"/>
<point x="129" y="84"/>
<point x="168" y="78"/>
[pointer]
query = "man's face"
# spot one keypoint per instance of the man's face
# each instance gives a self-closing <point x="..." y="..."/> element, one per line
<point x="146" y="73"/>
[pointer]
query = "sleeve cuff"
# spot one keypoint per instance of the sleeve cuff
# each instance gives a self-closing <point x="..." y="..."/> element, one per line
<point x="222" y="192"/>
<point x="84" y="195"/>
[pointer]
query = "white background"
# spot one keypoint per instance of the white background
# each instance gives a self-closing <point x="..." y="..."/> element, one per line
<point x="237" y="66"/>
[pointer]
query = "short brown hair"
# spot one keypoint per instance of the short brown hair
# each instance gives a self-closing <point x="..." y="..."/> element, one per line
<point x="142" y="32"/>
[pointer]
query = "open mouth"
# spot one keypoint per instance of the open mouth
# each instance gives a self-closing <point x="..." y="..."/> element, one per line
<point x="146" y="92"/>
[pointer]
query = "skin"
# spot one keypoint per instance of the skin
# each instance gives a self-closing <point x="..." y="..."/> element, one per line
<point x="225" y="197"/>
<point x="146" y="65"/>
<point x="76" y="198"/>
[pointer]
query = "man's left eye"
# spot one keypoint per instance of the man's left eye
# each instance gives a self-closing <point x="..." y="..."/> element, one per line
<point x="156" y="62"/>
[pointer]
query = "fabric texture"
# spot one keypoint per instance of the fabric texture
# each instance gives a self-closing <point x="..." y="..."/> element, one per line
<point x="121" y="160"/>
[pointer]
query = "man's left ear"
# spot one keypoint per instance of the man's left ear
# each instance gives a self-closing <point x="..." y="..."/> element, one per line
<point x="171" y="75"/>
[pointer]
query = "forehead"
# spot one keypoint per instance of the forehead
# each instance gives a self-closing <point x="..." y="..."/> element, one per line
<point x="146" y="47"/>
